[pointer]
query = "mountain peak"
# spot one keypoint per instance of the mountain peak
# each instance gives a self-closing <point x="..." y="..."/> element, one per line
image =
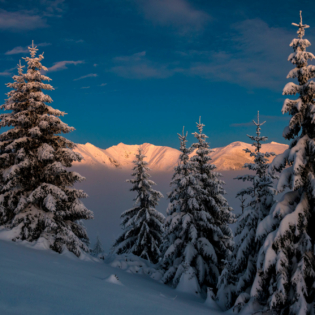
<point x="277" y="143"/>
<point x="163" y="158"/>
<point x="236" y="144"/>
<point x="88" y="144"/>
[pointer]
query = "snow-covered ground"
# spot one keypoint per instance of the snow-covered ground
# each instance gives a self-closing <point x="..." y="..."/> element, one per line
<point x="44" y="282"/>
<point x="41" y="282"/>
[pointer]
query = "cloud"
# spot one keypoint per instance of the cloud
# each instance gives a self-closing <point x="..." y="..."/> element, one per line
<point x="138" y="66"/>
<point x="262" y="118"/>
<point x="22" y="50"/>
<point x="5" y="73"/>
<point x="103" y="84"/>
<point x="21" y="20"/>
<point x="175" y="13"/>
<point x="258" y="58"/>
<point x="275" y="118"/>
<point x="91" y="75"/>
<point x="25" y="19"/>
<point x="61" y="65"/>
<point x="243" y="124"/>
<point x="85" y="87"/>
<point x="8" y="72"/>
<point x="135" y="57"/>
<point x="77" y="41"/>
<point x="17" y="50"/>
<point x="53" y="7"/>
<point x="141" y="71"/>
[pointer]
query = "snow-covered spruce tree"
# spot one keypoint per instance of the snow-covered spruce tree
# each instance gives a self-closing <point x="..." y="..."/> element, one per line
<point x="98" y="250"/>
<point x="240" y="272"/>
<point x="143" y="224"/>
<point x="242" y="200"/>
<point x="285" y="278"/>
<point x="181" y="222"/>
<point x="37" y="199"/>
<point x="206" y="223"/>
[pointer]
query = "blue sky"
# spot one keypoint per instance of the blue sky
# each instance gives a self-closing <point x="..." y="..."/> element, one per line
<point x="136" y="71"/>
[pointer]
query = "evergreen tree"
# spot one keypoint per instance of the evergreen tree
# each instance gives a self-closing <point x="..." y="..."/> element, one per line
<point x="242" y="199"/>
<point x="181" y="223"/>
<point x="143" y="224"/>
<point x="285" y="278"/>
<point x="240" y="272"/>
<point x="98" y="250"/>
<point x="213" y="204"/>
<point x="205" y="224"/>
<point x="37" y="199"/>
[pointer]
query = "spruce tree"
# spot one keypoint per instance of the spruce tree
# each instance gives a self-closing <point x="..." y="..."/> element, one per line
<point x="240" y="271"/>
<point x="181" y="222"/>
<point x="209" y="235"/>
<point x="98" y="250"/>
<point x="37" y="198"/>
<point x="284" y="281"/>
<point x="242" y="199"/>
<point x="143" y="224"/>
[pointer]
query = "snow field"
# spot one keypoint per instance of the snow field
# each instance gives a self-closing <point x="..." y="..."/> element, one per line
<point x="40" y="282"/>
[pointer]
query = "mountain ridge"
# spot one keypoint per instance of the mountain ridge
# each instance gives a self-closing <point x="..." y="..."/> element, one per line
<point x="163" y="158"/>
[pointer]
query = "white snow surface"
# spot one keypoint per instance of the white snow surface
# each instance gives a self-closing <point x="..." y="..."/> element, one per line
<point x="162" y="158"/>
<point x="188" y="282"/>
<point x="37" y="282"/>
<point x="114" y="279"/>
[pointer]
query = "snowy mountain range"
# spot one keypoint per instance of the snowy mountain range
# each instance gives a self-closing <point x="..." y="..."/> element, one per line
<point x="163" y="159"/>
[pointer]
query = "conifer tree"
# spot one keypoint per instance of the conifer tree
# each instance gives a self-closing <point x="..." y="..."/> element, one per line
<point x="240" y="272"/>
<point x="242" y="199"/>
<point x="37" y="198"/>
<point x="181" y="221"/>
<point x="97" y="250"/>
<point x="143" y="224"/>
<point x="284" y="281"/>
<point x="206" y="223"/>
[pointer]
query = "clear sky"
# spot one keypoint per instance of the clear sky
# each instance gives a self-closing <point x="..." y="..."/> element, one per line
<point x="136" y="71"/>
